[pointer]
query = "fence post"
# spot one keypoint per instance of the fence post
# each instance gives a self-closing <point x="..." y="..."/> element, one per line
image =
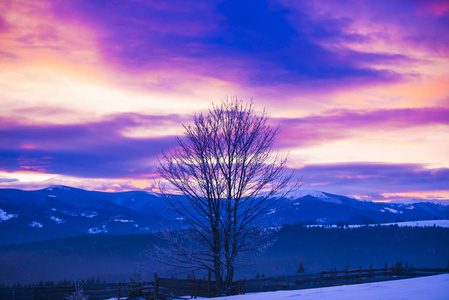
<point x="209" y="281"/>
<point x="196" y="284"/>
<point x="242" y="287"/>
<point x="155" y="286"/>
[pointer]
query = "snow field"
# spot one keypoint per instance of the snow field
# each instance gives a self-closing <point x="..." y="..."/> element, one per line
<point x="423" y="288"/>
<point x="423" y="223"/>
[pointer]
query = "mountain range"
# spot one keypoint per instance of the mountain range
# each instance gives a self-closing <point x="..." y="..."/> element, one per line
<point x="61" y="211"/>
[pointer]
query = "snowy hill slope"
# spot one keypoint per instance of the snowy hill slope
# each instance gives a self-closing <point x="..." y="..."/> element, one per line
<point x="429" y="288"/>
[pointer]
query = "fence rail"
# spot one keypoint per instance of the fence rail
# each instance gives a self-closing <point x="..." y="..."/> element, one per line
<point x="161" y="288"/>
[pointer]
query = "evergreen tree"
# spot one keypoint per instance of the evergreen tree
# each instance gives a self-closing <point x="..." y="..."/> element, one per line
<point x="78" y="294"/>
<point x="137" y="286"/>
<point x="136" y="290"/>
<point x="300" y="268"/>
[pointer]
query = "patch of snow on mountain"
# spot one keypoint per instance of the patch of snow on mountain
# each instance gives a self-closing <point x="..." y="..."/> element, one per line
<point x="51" y="196"/>
<point x="36" y="224"/>
<point x="321" y="220"/>
<point x="154" y="194"/>
<point x="89" y="214"/>
<point x="124" y="221"/>
<point x="4" y="216"/>
<point x="301" y="193"/>
<point x="54" y="187"/>
<point x="96" y="230"/>
<point x="272" y="211"/>
<point x="392" y="210"/>
<point x="57" y="220"/>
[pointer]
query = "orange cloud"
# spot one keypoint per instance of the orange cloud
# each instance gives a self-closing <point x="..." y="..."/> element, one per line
<point x="416" y="195"/>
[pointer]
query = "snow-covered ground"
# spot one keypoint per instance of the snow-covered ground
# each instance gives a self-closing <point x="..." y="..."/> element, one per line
<point x="422" y="288"/>
<point x="444" y="202"/>
<point x="424" y="223"/>
<point x="429" y="288"/>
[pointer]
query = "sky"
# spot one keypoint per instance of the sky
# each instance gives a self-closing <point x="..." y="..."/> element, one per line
<point x="91" y="92"/>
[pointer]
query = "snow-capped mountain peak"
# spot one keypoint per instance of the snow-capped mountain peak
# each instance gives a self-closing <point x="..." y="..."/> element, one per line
<point x="57" y="187"/>
<point x="302" y="193"/>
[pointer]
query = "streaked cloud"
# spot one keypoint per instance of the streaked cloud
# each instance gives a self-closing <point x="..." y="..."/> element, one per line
<point x="92" y="91"/>
<point x="100" y="149"/>
<point x="340" y="124"/>
<point x="377" y="181"/>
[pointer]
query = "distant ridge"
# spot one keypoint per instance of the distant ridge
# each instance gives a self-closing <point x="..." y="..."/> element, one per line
<point x="61" y="211"/>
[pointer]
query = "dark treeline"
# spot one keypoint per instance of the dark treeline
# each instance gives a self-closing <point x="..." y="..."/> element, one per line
<point x="324" y="248"/>
<point x="115" y="258"/>
<point x="63" y="282"/>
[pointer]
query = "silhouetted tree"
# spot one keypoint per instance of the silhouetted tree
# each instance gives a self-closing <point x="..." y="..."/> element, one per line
<point x="300" y="268"/>
<point x="136" y="287"/>
<point x="78" y="294"/>
<point x="226" y="168"/>
<point x="398" y="265"/>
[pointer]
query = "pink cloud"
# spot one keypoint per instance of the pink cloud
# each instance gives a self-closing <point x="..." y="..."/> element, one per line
<point x="338" y="124"/>
<point x="437" y="8"/>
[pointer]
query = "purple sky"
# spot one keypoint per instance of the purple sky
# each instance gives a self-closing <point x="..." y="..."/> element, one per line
<point x="91" y="92"/>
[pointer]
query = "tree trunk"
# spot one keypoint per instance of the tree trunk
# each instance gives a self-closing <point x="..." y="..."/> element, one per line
<point x="217" y="262"/>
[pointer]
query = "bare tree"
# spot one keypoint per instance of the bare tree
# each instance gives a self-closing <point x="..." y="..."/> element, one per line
<point x="229" y="175"/>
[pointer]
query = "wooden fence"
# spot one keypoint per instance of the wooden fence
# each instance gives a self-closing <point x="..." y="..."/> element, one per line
<point x="333" y="278"/>
<point x="94" y="291"/>
<point x="162" y="288"/>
